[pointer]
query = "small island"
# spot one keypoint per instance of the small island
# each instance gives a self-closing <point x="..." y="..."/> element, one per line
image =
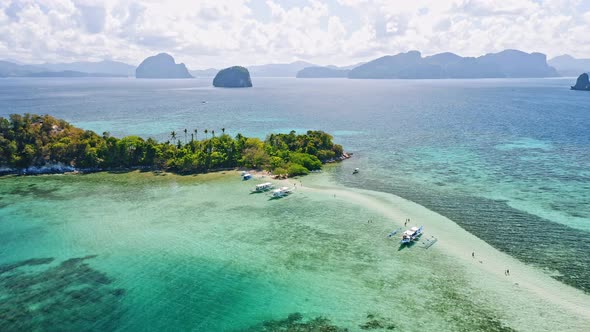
<point x="583" y="83"/>
<point x="33" y="144"/>
<point x="233" y="77"/>
<point x="161" y="66"/>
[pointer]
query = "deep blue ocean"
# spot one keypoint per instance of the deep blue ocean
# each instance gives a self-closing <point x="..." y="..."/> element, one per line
<point x="507" y="159"/>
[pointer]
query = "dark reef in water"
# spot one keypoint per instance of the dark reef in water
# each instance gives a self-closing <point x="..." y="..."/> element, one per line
<point x="70" y="296"/>
<point x="295" y="323"/>
<point x="495" y="221"/>
<point x="374" y="323"/>
<point x="582" y="83"/>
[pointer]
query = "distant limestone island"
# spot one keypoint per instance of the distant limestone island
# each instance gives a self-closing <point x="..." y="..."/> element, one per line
<point x="505" y="64"/>
<point x="161" y="66"/>
<point x="582" y="83"/>
<point x="233" y="77"/>
<point x="34" y="144"/>
<point x="412" y="65"/>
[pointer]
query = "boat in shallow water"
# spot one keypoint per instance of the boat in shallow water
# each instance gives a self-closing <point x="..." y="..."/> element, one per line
<point x="411" y="234"/>
<point x="262" y="187"/>
<point x="281" y="192"/>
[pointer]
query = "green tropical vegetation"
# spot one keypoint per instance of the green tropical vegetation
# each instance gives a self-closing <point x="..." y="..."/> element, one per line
<point x="39" y="140"/>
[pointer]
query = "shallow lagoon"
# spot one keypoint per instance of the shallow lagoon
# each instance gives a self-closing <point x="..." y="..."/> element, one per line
<point x="166" y="252"/>
<point x="504" y="158"/>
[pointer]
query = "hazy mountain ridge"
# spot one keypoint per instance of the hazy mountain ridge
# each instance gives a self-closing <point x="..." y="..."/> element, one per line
<point x="75" y="69"/>
<point x="411" y="65"/>
<point x="567" y="65"/>
<point x="505" y="64"/>
<point x="322" y="72"/>
<point x="10" y="69"/>
<point x="209" y="72"/>
<point x="102" y="67"/>
<point x="278" y="69"/>
<point x="70" y="73"/>
<point x="267" y="70"/>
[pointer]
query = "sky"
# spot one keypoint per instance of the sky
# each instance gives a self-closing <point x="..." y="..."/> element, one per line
<point x="220" y="33"/>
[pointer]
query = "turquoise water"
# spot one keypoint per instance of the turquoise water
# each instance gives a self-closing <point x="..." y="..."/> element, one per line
<point x="136" y="252"/>
<point x="506" y="159"/>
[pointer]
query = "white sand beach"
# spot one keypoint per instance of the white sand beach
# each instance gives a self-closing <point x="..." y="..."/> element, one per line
<point x="526" y="291"/>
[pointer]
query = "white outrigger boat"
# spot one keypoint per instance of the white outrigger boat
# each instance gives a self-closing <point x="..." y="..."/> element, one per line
<point x="281" y="192"/>
<point x="411" y="234"/>
<point x="262" y="187"/>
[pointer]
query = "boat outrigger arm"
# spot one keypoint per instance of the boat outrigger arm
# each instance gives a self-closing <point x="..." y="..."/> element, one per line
<point x="393" y="232"/>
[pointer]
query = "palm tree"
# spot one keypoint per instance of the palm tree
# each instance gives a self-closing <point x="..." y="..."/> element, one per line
<point x="192" y="137"/>
<point x="185" y="131"/>
<point x="223" y="131"/>
<point x="173" y="135"/>
<point x="206" y="131"/>
<point x="213" y="133"/>
<point x="197" y="137"/>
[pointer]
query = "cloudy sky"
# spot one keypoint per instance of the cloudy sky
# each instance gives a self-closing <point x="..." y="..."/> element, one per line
<point x="215" y="33"/>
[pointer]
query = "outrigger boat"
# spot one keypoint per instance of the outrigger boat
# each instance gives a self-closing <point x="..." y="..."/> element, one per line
<point x="281" y="192"/>
<point x="394" y="232"/>
<point x="411" y="234"/>
<point x="356" y="171"/>
<point x="262" y="187"/>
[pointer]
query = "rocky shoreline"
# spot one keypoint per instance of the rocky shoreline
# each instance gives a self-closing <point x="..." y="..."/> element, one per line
<point x="67" y="169"/>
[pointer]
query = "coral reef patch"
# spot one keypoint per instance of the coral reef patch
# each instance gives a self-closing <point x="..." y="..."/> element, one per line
<point x="37" y="295"/>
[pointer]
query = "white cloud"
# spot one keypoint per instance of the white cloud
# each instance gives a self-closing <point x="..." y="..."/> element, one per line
<point x="224" y="32"/>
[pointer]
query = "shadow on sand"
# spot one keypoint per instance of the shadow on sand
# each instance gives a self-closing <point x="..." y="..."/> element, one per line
<point x="409" y="245"/>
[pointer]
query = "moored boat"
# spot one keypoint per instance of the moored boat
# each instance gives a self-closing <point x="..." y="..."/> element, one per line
<point x="263" y="187"/>
<point x="281" y="192"/>
<point x="411" y="234"/>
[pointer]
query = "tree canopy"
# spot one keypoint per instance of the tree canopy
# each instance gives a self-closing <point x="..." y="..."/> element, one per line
<point x="39" y="140"/>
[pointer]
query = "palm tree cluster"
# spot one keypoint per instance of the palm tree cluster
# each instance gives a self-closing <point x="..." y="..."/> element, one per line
<point x="33" y="140"/>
